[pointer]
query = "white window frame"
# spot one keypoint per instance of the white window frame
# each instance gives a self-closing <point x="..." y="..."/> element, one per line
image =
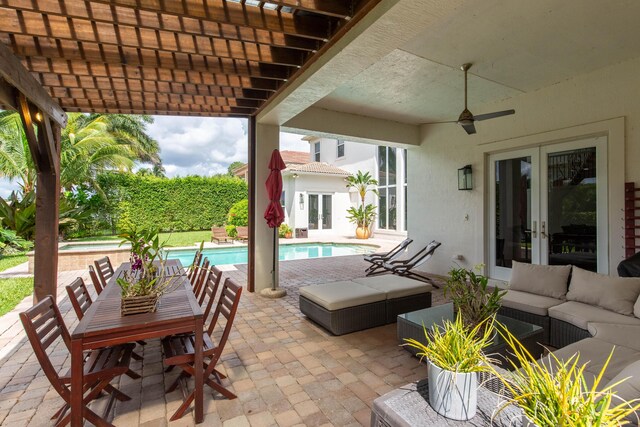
<point x="340" y="143"/>
<point x="316" y="151"/>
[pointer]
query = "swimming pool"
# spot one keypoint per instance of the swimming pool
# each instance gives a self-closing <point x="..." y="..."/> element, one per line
<point x="239" y="255"/>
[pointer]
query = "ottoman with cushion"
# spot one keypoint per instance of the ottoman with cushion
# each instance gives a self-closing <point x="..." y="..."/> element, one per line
<point x="403" y="294"/>
<point x="354" y="305"/>
<point x="344" y="307"/>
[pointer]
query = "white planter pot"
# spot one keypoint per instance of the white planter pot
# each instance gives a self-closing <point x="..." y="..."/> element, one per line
<point x="526" y="422"/>
<point x="453" y="395"/>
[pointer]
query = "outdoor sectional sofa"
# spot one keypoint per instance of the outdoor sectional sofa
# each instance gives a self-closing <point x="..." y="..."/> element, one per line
<point x="582" y="312"/>
<point x="353" y="305"/>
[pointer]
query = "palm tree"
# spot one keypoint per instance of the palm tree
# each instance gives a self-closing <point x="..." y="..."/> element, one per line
<point x="362" y="183"/>
<point x="15" y="161"/>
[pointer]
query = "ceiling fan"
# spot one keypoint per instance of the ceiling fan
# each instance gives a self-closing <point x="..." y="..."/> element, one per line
<point x="467" y="119"/>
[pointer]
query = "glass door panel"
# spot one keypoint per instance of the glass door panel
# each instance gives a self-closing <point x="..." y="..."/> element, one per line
<point x="314" y="211"/>
<point x="326" y="211"/>
<point x="514" y="211"/>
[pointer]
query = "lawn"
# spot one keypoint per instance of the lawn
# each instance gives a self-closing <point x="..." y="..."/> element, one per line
<point x="12" y="291"/>
<point x="8" y="261"/>
<point x="183" y="238"/>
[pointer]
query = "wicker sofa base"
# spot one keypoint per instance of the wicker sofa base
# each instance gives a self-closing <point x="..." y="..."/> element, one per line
<point x="534" y="319"/>
<point x="562" y="333"/>
<point x="345" y="320"/>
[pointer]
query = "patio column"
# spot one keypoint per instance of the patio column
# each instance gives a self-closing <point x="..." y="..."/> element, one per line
<point x="267" y="139"/>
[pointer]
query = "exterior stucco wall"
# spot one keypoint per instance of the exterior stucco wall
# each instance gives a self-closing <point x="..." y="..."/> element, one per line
<point x="602" y="102"/>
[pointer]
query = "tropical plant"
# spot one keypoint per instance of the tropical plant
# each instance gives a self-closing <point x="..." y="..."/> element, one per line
<point x="284" y="230"/>
<point x="10" y="242"/>
<point x="456" y="347"/>
<point x="231" y="230"/>
<point x="363" y="183"/>
<point x="15" y="158"/>
<point x="362" y="216"/>
<point x="556" y="392"/>
<point x="471" y="296"/>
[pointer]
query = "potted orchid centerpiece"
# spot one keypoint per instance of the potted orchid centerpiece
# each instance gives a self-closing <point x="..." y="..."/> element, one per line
<point x="147" y="278"/>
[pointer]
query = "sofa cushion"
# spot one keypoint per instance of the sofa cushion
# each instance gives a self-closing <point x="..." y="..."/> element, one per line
<point x="580" y="314"/>
<point x="625" y="335"/>
<point x="617" y="294"/>
<point x="546" y="280"/>
<point x="636" y="308"/>
<point x="395" y="286"/>
<point x="596" y="352"/>
<point x="629" y="388"/>
<point x="338" y="295"/>
<point x="530" y="303"/>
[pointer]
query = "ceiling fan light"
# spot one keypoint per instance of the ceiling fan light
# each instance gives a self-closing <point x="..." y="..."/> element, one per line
<point x="465" y="122"/>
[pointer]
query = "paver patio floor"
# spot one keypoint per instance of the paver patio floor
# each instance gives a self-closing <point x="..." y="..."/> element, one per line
<point x="285" y="370"/>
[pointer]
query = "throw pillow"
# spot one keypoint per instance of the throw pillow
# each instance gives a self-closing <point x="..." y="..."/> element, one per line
<point x="617" y="294"/>
<point x="547" y="280"/>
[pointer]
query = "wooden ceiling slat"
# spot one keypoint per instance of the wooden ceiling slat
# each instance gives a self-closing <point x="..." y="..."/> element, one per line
<point x="149" y="43"/>
<point x="102" y="104"/>
<point x="335" y="8"/>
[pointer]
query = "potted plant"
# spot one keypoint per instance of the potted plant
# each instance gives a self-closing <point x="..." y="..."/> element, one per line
<point x="556" y="393"/>
<point x="362" y="215"/>
<point x="285" y="231"/>
<point x="471" y="296"/>
<point x="455" y="355"/>
<point x="147" y="278"/>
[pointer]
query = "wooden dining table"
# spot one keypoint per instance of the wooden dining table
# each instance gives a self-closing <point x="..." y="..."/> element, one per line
<point x="103" y="325"/>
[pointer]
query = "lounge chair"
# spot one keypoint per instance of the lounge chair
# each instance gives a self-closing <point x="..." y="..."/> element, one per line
<point x="243" y="233"/>
<point x="406" y="267"/>
<point x="219" y="234"/>
<point x="380" y="258"/>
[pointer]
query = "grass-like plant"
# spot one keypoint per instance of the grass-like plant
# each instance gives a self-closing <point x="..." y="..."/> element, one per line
<point x="456" y="347"/>
<point x="555" y="392"/>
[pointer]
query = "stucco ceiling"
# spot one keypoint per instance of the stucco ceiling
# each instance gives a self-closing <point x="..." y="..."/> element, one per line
<point x="516" y="46"/>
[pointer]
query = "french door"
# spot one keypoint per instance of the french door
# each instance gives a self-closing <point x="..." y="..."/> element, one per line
<point x="548" y="205"/>
<point x="320" y="211"/>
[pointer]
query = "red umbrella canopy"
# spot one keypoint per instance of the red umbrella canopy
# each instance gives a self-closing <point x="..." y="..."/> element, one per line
<point x="274" y="213"/>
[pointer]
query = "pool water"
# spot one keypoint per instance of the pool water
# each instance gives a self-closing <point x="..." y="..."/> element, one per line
<point x="239" y="255"/>
<point x="91" y="246"/>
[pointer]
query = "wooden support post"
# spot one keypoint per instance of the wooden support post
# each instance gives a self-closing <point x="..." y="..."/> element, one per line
<point x="251" y="273"/>
<point x="47" y="208"/>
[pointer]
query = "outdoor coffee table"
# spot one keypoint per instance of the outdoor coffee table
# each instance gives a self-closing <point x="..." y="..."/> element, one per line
<point x="410" y="325"/>
<point x="408" y="406"/>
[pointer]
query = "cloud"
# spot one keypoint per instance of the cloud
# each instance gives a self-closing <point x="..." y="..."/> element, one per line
<point x="207" y="146"/>
<point x="6" y="187"/>
<point x="198" y="145"/>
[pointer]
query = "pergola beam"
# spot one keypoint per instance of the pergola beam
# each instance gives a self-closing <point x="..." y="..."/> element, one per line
<point x="336" y="8"/>
<point x="12" y="71"/>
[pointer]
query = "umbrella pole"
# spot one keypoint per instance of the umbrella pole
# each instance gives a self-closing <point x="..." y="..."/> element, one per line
<point x="275" y="258"/>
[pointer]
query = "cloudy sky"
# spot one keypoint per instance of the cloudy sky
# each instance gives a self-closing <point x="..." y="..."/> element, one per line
<point x="198" y="145"/>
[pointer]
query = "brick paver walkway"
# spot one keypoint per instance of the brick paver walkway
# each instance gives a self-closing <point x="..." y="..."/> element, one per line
<point x="285" y="370"/>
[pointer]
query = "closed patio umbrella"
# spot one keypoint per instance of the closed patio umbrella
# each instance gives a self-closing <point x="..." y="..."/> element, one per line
<point x="274" y="214"/>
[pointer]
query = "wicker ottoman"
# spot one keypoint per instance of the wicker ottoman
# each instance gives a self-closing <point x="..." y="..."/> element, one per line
<point x="343" y="307"/>
<point x="404" y="295"/>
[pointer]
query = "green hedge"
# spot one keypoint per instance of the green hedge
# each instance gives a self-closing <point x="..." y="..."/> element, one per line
<point x="177" y="204"/>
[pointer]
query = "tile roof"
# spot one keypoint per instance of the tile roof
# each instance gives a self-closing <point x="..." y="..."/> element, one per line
<point x="318" y="168"/>
<point x="295" y="157"/>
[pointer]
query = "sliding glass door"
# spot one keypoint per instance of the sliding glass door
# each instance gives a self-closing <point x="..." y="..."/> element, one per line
<point x="548" y="205"/>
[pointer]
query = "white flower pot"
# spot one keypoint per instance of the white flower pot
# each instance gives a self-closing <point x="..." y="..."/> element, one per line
<point x="451" y="394"/>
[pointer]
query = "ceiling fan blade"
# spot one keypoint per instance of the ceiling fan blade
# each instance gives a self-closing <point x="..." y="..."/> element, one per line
<point x="469" y="128"/>
<point x="493" y="115"/>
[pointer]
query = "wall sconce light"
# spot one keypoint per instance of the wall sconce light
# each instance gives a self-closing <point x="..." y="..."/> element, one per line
<point x="465" y="178"/>
<point x="301" y="202"/>
<point x="38" y="116"/>
<point x="295" y="175"/>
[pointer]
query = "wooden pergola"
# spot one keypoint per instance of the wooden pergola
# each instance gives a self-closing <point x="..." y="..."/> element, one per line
<point x="214" y="58"/>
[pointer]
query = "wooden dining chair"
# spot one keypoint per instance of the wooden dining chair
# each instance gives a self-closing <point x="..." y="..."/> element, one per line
<point x="179" y="349"/>
<point x="43" y="324"/>
<point x="193" y="268"/>
<point x="200" y="278"/>
<point x="95" y="280"/>
<point x="81" y="301"/>
<point x="210" y="289"/>
<point x="104" y="269"/>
